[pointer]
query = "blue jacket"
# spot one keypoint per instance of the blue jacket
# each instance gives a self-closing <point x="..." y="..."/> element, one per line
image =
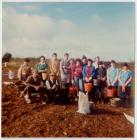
<point x="84" y="72"/>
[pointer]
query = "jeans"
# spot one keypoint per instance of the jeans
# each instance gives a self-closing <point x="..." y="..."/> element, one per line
<point x="124" y="95"/>
<point x="79" y="83"/>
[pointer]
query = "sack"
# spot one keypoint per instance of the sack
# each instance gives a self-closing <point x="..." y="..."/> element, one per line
<point x="83" y="103"/>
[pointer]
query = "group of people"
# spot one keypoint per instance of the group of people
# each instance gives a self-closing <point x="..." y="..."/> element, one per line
<point x="54" y="78"/>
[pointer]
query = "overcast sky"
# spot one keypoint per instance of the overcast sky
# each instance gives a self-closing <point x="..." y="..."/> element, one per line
<point x="91" y="29"/>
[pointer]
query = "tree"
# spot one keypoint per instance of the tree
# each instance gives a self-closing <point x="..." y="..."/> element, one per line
<point x="6" y="57"/>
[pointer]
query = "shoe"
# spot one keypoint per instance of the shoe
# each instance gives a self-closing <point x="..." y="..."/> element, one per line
<point x="28" y="101"/>
<point x="44" y="103"/>
<point x="21" y="94"/>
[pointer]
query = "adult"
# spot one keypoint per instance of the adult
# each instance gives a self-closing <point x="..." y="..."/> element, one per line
<point x="24" y="70"/>
<point x="52" y="86"/>
<point x="65" y="77"/>
<point x="54" y="65"/>
<point x="35" y="85"/>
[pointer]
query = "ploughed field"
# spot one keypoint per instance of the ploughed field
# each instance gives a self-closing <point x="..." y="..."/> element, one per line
<point x="36" y="120"/>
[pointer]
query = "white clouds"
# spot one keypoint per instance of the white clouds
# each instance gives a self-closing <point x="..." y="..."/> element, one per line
<point x="97" y="18"/>
<point x="29" y="8"/>
<point x="35" y="35"/>
<point x="24" y="33"/>
<point x="66" y="24"/>
<point x="59" y="10"/>
<point x="29" y="26"/>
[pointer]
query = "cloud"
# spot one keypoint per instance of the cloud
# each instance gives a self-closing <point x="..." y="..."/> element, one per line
<point x="97" y="18"/>
<point x="29" y="8"/>
<point x="66" y="24"/>
<point x="34" y="35"/>
<point x="59" y="10"/>
<point x="28" y="26"/>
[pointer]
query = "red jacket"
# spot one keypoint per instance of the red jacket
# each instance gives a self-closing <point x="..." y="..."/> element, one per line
<point x="72" y="69"/>
<point x="78" y="71"/>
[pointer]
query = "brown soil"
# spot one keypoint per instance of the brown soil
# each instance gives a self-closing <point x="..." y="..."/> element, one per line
<point x="36" y="120"/>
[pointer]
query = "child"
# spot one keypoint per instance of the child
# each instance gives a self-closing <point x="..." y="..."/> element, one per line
<point x="52" y="87"/>
<point x="78" y="75"/>
<point x="112" y="75"/>
<point x="54" y="65"/>
<point x="125" y="77"/>
<point x="42" y="68"/>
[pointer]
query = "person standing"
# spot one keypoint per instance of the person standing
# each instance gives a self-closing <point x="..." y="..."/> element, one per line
<point x="78" y="78"/>
<point x="84" y="60"/>
<point x="88" y="75"/>
<point x="42" y="68"/>
<point x="125" y="78"/>
<point x="54" y="66"/>
<point x="65" y="69"/>
<point x="101" y="77"/>
<point x="112" y="74"/>
<point x="65" y="77"/>
<point x="72" y="69"/>
<point x="96" y="63"/>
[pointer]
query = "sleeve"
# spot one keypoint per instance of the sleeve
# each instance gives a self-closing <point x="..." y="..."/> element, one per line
<point x="108" y="74"/>
<point x="61" y="64"/>
<point x="57" y="82"/>
<point x="93" y="72"/>
<point x="131" y="74"/>
<point x="28" y="81"/>
<point x="48" y="85"/>
<point x="47" y="66"/>
<point x="84" y="72"/>
<point x="30" y="70"/>
<point x="119" y="74"/>
<point x="37" y="67"/>
<point x="105" y="72"/>
<point x="19" y="72"/>
<point x="58" y="70"/>
<point x="50" y="66"/>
